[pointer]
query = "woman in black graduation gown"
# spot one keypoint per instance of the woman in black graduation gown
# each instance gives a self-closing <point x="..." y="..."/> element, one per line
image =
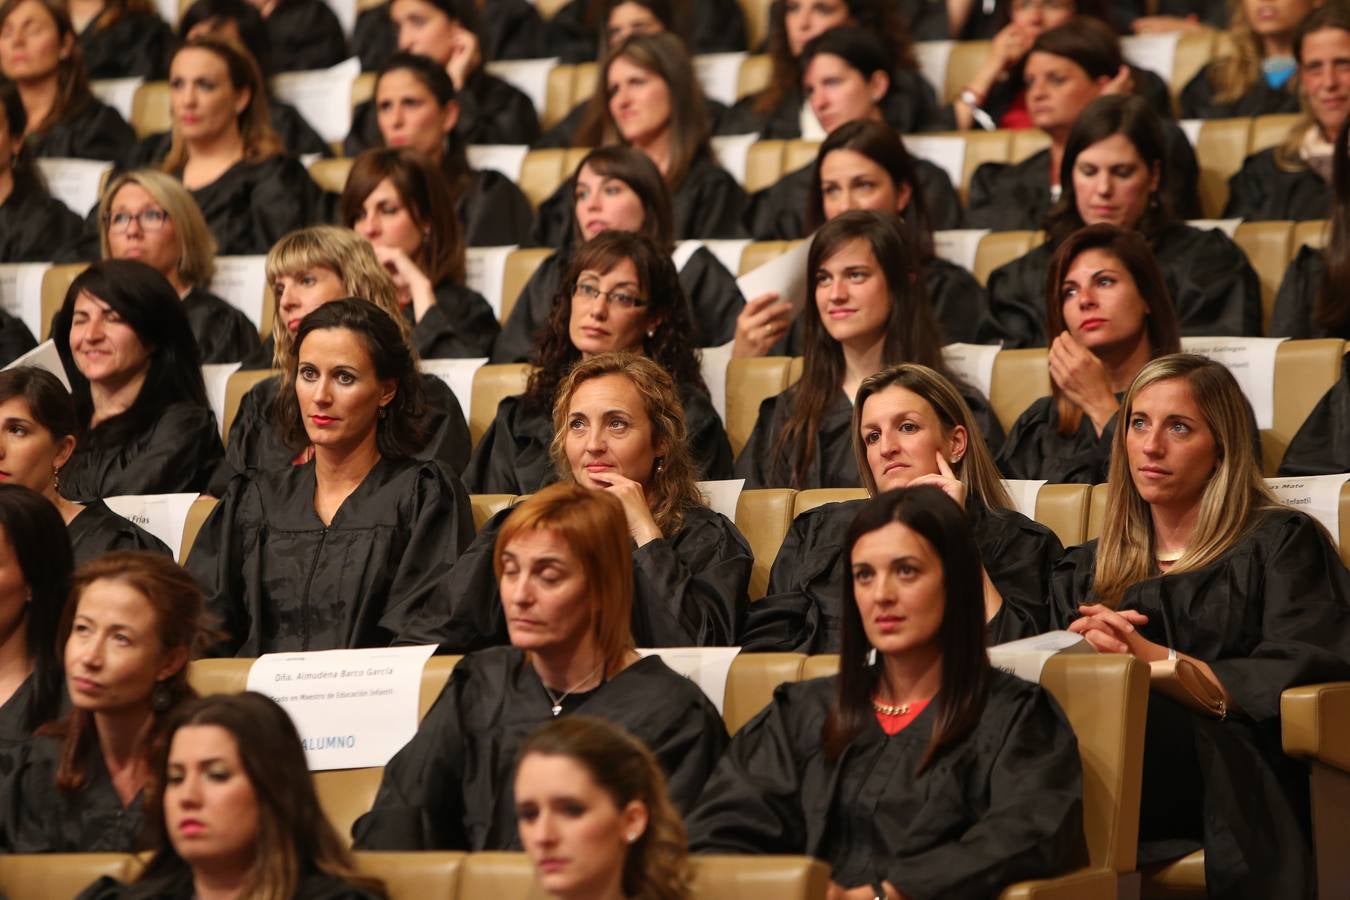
<point x="1290" y="180"/>
<point x="925" y="772"/>
<point x="621" y="188"/>
<point x="416" y="106"/>
<point x="150" y="216"/>
<point x="867" y="311"/>
<point x="123" y="38"/>
<point x="35" y="567"/>
<point x="1257" y="76"/>
<point x="910" y="427"/>
<point x="341" y="550"/>
<point x="225" y="151"/>
<point x="1108" y="307"/>
<point x="399" y="201"/>
<point x="1200" y="564"/>
<point x="308" y="268"/>
<point x="491" y="111"/>
<point x="234" y="763"/>
<point x="565" y="568"/>
<point x="651" y="100"/>
<point x="146" y="426"/>
<point x="1114" y="172"/>
<point x="34" y="225"/>
<point x="1066" y="69"/>
<point x="618" y="428"/>
<point x="512" y="456"/>
<point x="863" y="165"/>
<point x="507" y="29"/>
<point x="39" y="427"/>
<point x="305" y="34"/>
<point x="40" y="54"/>
<point x="133" y="622"/>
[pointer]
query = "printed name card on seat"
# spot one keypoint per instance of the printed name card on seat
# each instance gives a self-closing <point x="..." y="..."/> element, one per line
<point x="323" y="96"/>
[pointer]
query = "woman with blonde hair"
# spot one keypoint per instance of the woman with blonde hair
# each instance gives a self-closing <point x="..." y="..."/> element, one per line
<point x="910" y="426"/>
<point x="618" y="428"/>
<point x="1258" y="76"/>
<point x="1200" y="567"/>
<point x="627" y="841"/>
<point x="308" y="268"/>
<point x="150" y="216"/>
<point x="565" y="567"/>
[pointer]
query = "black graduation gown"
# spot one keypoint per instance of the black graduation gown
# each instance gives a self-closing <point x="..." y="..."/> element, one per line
<point x="36" y="817"/>
<point x="138" y="44"/>
<point x="801" y="610"/>
<point x="98" y="530"/>
<point x="1197" y="99"/>
<point x="1321" y="446"/>
<point x="1213" y="287"/>
<point x="180" y="886"/>
<point x="712" y="26"/>
<point x="279" y="579"/>
<point x="224" y="334"/>
<point x="491" y="111"/>
<point x="494" y="211"/>
<point x="297" y="137"/>
<point x="34" y="225"/>
<point x="778" y="212"/>
<point x="714" y="301"/>
<point x="910" y="106"/>
<point x="1035" y="449"/>
<point x="450" y="787"/>
<point x="834" y="465"/>
<point x="262" y="358"/>
<point x="15" y="338"/>
<point x="176" y="454"/>
<point x="305" y="34"/>
<point x="374" y="37"/>
<point x="94" y="131"/>
<point x="252" y="205"/>
<point x="1293" y="315"/>
<point x="461" y="324"/>
<point x="689" y="590"/>
<point x="511" y="29"/>
<point x="512" y="456"/>
<point x="1003" y="804"/>
<point x="1272" y="613"/>
<point x="563" y="134"/>
<point x="1261" y="190"/>
<point x="254" y="442"/>
<point x="14" y="721"/>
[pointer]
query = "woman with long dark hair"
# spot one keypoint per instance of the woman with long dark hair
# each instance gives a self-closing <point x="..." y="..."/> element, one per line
<point x="34" y="225"/>
<point x="919" y="770"/>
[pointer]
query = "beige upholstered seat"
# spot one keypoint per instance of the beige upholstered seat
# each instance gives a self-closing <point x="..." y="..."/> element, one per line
<point x="751" y="683"/>
<point x="763" y="516"/>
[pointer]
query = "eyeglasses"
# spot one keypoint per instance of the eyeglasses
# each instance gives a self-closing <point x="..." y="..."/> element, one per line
<point x="150" y="220"/>
<point x="618" y="298"/>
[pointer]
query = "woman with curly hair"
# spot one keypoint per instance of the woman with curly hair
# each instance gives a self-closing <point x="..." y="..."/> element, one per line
<point x="1259" y="75"/>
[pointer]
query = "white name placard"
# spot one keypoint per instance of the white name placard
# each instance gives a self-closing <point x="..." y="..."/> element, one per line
<point x="529" y="76"/>
<point x="1317" y="495"/>
<point x="21" y="292"/>
<point x="505" y="158"/>
<point x="707" y="667"/>
<point x="932" y="57"/>
<point x="44" y="356"/>
<point x="1155" y="52"/>
<point x="1252" y="362"/>
<point x="217" y="378"/>
<point x="323" y="96"/>
<point x="722" y="496"/>
<point x="949" y="153"/>
<point x="458" y="374"/>
<point x="241" y="281"/>
<point x="1024" y="492"/>
<point x="75" y="182"/>
<point x="732" y="152"/>
<point x="163" y="515"/>
<point x="1027" y="657"/>
<point x="713" y="363"/>
<point x="959" y="245"/>
<point x="719" y="73"/>
<point x="353" y="708"/>
<point x="972" y="362"/>
<point x="117" y="93"/>
<point x="485" y="272"/>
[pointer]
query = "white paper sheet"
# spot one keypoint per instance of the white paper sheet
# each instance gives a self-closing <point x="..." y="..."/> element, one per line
<point x="959" y="246"/>
<point x="323" y="96"/>
<point x="353" y="708"/>
<point x="485" y="272"/>
<point x="1252" y="362"/>
<point x="1227" y="226"/>
<point x="75" y="182"/>
<point x="707" y="667"/>
<point x="947" y="152"/>
<point x="684" y="251"/>
<point x="346" y="13"/>
<point x="1024" y="492"/>
<point x="728" y="251"/>
<point x="933" y="57"/>
<point x="505" y="158"/>
<point x="217" y="378"/>
<point x="241" y="281"/>
<point x="21" y="292"/>
<point x="973" y="362"/>
<point x="529" y="76"/>
<point x="1191" y="128"/>
<point x="44" y="356"/>
<point x="1155" y="52"/>
<point x="714" y="362"/>
<point x="1317" y="495"/>
<point x="458" y="373"/>
<point x="117" y="93"/>
<point x="722" y="496"/>
<point x="1027" y="657"/>
<point x="719" y="74"/>
<point x="732" y="152"/>
<point x="163" y="515"/>
<point x="785" y="274"/>
<point x="168" y="11"/>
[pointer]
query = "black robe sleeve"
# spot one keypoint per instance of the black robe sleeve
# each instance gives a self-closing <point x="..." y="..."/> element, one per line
<point x="531" y="312"/>
<point x="374" y="38"/>
<point x="252" y="205"/>
<point x="177" y="454"/>
<point x="224" y="334"/>
<point x="305" y="34"/>
<point x="778" y="212"/>
<point x="708" y="443"/>
<point x="465" y="613"/>
<point x="1214" y="288"/>
<point x="708" y="203"/>
<point x="94" y="131"/>
<point x="939" y="196"/>
<point x="1010" y="196"/>
<point x="494" y="211"/>
<point x="1198" y="100"/>
<point x="512" y="455"/>
<point x="1019" y="555"/>
<point x="1036" y="450"/>
<point x="365" y="131"/>
<point x="511" y="29"/>
<point x="34" y="225"/>
<point x="959" y="301"/>
<point x="15" y="338"/>
<point x="297" y="135"/>
<point x="449" y="440"/>
<point x="910" y="106"/>
<point x="755" y="463"/>
<point x="569" y="33"/>
<point x="1262" y="190"/>
<point x="138" y="44"/>
<point x="1149" y="85"/>
<point x="718" y="26"/>
<point x="98" y="530"/>
<point x="834" y="464"/>
<point x="491" y="111"/>
<point x="461" y="324"/>
<point x="1321" y="446"/>
<point x="714" y="298"/>
<point x="1297" y="297"/>
<point x="553" y="220"/>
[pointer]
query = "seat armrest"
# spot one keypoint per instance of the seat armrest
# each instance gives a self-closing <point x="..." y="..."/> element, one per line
<point x="1315" y="720"/>
<point x="1082" y="884"/>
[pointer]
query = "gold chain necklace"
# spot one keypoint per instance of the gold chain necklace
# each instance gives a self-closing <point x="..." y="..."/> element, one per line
<point x="887" y="710"/>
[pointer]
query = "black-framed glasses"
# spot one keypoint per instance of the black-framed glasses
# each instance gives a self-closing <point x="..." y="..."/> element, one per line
<point x="618" y="298"/>
<point x="150" y="220"/>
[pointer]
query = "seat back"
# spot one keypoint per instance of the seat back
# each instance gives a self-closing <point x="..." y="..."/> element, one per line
<point x="1027" y="142"/>
<point x="756" y="14"/>
<point x="1096" y="511"/>
<point x="520" y="266"/>
<point x="363" y="88"/>
<point x="1304" y="371"/>
<point x="196" y="518"/>
<point x="1267" y="245"/>
<point x="485" y="506"/>
<point x="499" y="875"/>
<point x="1063" y="508"/>
<point x="763" y="165"/>
<point x="435" y="674"/>
<point x="347" y="794"/>
<point x="749" y="383"/>
<point x="1194" y="50"/>
<point x="999" y="248"/>
<point x="820" y="665"/>
<point x="1314" y="233"/>
<point x="42" y="876"/>
<point x="757" y="253"/>
<point x="1268" y="131"/>
<point x="331" y="174"/>
<point x="763" y="516"/>
<point x="239" y="384"/>
<point x="799" y="153"/>
<point x="1105" y="697"/>
<point x="219" y="676"/>
<point x="751" y="683"/>
<point x="779" y="877"/>
<point x="427" y="875"/>
<point x="584" y="78"/>
<point x="150" y="109"/>
<point x="1220" y="149"/>
<point x="541" y="171"/>
<point x="966" y="59"/>
<point x="982" y="147"/>
<point x="1021" y="377"/>
<point x="755" y="75"/>
<point x="492" y="384"/>
<point x="558" y="92"/>
<point x="55" y="283"/>
<point x="809" y="500"/>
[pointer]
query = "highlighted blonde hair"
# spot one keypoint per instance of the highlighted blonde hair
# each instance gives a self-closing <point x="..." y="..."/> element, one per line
<point x="196" y="246"/>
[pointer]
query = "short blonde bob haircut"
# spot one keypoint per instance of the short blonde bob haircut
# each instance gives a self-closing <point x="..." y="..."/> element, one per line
<point x="196" y="246"/>
<point x="344" y="253"/>
<point x="593" y="525"/>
